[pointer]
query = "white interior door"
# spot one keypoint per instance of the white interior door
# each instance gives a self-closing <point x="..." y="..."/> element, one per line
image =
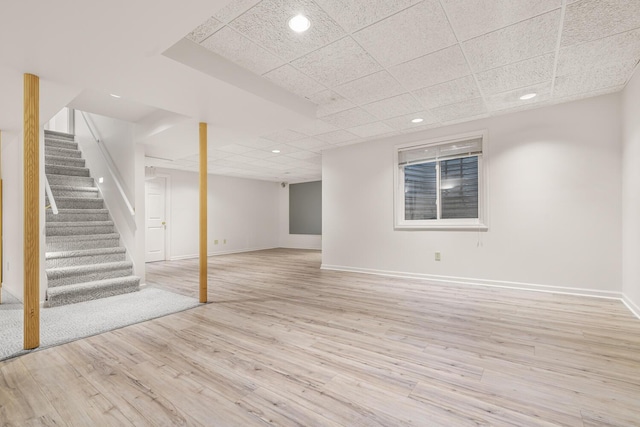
<point x="155" y="196"/>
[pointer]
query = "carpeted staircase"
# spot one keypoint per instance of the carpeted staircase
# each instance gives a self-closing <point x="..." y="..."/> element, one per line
<point x="84" y="260"/>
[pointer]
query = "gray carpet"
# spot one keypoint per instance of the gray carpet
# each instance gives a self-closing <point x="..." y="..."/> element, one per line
<point x="67" y="323"/>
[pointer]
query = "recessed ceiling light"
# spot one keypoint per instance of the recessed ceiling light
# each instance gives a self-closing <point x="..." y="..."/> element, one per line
<point x="528" y="96"/>
<point x="275" y="151"/>
<point x="299" y="23"/>
<point x="115" y="96"/>
<point x="417" y="120"/>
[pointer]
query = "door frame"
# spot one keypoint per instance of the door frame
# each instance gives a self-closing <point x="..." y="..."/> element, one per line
<point x="167" y="215"/>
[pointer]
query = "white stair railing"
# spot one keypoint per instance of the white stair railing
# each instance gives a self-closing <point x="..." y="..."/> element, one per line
<point x="110" y="166"/>
<point x="52" y="200"/>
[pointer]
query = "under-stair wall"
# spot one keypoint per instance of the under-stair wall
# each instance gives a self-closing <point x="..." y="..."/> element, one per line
<point x="117" y="139"/>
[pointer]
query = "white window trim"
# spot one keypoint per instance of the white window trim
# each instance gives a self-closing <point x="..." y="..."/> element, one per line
<point x="479" y="224"/>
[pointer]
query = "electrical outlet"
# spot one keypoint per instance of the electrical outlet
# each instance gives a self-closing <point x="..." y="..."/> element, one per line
<point x="437" y="256"/>
<point x="215" y="242"/>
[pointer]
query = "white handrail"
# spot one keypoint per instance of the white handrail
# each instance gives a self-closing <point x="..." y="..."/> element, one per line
<point x="52" y="200"/>
<point x="110" y="166"/>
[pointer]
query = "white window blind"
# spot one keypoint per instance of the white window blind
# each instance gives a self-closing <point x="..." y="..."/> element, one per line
<point x="431" y="153"/>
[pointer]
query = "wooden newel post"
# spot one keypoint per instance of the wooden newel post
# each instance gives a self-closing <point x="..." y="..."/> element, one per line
<point x="31" y="211"/>
<point x="203" y="212"/>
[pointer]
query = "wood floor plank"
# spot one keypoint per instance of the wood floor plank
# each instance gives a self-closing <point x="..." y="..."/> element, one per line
<point x="284" y="343"/>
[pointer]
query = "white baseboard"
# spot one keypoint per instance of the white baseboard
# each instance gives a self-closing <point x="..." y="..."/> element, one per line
<point x="633" y="307"/>
<point x="238" y="251"/>
<point x="480" y="282"/>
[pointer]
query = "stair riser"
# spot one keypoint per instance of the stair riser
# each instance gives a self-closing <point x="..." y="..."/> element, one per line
<point x="98" y="275"/>
<point x="84" y="260"/>
<point x="75" y="193"/>
<point x="57" y="134"/>
<point x="77" y="217"/>
<point x="62" y="170"/>
<point x="64" y="161"/>
<point x="82" y="244"/>
<point x="76" y="181"/>
<point x="60" y="143"/>
<point x="80" y="204"/>
<point x="107" y="291"/>
<point x="77" y="231"/>
<point x="62" y="152"/>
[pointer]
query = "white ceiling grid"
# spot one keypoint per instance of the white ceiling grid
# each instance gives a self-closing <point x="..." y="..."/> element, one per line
<point x="373" y="65"/>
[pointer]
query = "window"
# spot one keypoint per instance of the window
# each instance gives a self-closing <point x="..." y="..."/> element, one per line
<point x="439" y="184"/>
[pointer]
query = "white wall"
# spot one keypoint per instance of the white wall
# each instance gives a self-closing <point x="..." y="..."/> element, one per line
<point x="631" y="194"/>
<point x="295" y="241"/>
<point x="554" y="205"/>
<point x="117" y="139"/>
<point x="242" y="211"/>
<point x="13" y="218"/>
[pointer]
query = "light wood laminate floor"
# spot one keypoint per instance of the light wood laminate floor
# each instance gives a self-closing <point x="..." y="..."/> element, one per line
<point x="284" y="343"/>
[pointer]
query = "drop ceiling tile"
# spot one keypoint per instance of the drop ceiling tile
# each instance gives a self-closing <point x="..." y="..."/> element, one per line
<point x="583" y="95"/>
<point x="316" y="127"/>
<point x="371" y="129"/>
<point x="393" y="107"/>
<point x="593" y="79"/>
<point x="293" y="80"/>
<point x="472" y="18"/>
<point x="350" y="118"/>
<point x="337" y="137"/>
<point x="329" y="102"/>
<point x="337" y="63"/>
<point x="285" y="136"/>
<point x="370" y="88"/>
<point x="266" y="24"/>
<point x="307" y="143"/>
<point x="511" y="99"/>
<point x="302" y="155"/>
<point x="594" y="19"/>
<point x="234" y="149"/>
<point x="353" y="15"/>
<point x="235" y="47"/>
<point x="260" y="154"/>
<point x="404" y="122"/>
<point x="286" y="159"/>
<point x="258" y="143"/>
<point x="216" y="154"/>
<point x="527" y="39"/>
<point x="620" y="49"/>
<point x="448" y="93"/>
<point x="261" y="163"/>
<point x="429" y="70"/>
<point x="460" y="110"/>
<point x="238" y="159"/>
<point x="407" y="35"/>
<point x="204" y="30"/>
<point x="235" y="9"/>
<point x="516" y="75"/>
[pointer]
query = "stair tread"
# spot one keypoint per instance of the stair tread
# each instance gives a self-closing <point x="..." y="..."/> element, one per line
<point x="67" y="167"/>
<point x="76" y="198"/>
<point x="73" y="187"/>
<point x="58" y="133"/>
<point x="77" y="270"/>
<point x="85" y="252"/>
<point x="131" y="278"/>
<point x="83" y="211"/>
<point x="58" y="239"/>
<point x="79" y="223"/>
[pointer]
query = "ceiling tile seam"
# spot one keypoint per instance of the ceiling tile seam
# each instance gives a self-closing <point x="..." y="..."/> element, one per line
<point x="383" y="68"/>
<point x="510" y="25"/>
<point x="506" y="65"/>
<point x="464" y="54"/>
<point x="252" y="41"/>
<point x="351" y="33"/>
<point x="636" y="69"/>
<point x="558" y="43"/>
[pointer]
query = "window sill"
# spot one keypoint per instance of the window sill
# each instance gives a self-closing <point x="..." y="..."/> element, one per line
<point x="443" y="227"/>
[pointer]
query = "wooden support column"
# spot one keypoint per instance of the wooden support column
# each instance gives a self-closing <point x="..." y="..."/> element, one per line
<point x="31" y="211"/>
<point x="203" y="212"/>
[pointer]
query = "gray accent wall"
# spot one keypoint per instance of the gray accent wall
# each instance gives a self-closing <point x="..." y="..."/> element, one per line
<point x="305" y="208"/>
